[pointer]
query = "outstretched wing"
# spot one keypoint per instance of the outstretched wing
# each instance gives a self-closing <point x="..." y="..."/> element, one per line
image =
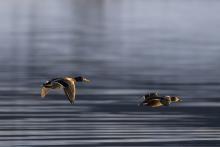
<point x="70" y="90"/>
<point x="44" y="91"/>
<point x="68" y="85"/>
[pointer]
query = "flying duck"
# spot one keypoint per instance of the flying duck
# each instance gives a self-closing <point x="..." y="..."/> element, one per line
<point x="154" y="100"/>
<point x="66" y="83"/>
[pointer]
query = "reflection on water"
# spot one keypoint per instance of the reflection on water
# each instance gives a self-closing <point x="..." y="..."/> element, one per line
<point x="126" y="48"/>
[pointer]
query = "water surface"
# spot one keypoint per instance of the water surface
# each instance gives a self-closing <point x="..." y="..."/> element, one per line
<point x="127" y="48"/>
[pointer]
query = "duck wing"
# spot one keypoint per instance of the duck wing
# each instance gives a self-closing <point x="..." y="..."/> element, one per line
<point x="56" y="84"/>
<point x="68" y="85"/>
<point x="44" y="91"/>
<point x="70" y="90"/>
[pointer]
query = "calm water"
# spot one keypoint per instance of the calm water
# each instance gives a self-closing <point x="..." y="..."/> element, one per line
<point x="127" y="48"/>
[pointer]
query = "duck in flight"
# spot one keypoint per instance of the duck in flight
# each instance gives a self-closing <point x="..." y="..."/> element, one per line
<point x="155" y="100"/>
<point x="66" y="83"/>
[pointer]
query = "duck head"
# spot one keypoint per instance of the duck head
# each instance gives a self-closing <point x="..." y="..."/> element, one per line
<point x="175" y="99"/>
<point x="81" y="79"/>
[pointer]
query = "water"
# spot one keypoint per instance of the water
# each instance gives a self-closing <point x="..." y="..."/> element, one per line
<point x="127" y="48"/>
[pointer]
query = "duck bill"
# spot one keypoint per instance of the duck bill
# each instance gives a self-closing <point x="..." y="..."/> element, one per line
<point x="86" y="80"/>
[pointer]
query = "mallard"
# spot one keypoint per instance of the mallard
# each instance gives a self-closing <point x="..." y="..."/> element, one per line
<point x="66" y="83"/>
<point x="154" y="100"/>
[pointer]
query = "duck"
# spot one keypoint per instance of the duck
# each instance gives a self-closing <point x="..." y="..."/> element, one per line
<point x="65" y="83"/>
<point x="154" y="100"/>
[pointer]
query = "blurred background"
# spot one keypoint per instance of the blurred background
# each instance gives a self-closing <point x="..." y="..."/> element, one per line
<point x="126" y="48"/>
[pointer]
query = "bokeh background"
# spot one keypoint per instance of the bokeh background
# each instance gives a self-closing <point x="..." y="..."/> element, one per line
<point x="127" y="48"/>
